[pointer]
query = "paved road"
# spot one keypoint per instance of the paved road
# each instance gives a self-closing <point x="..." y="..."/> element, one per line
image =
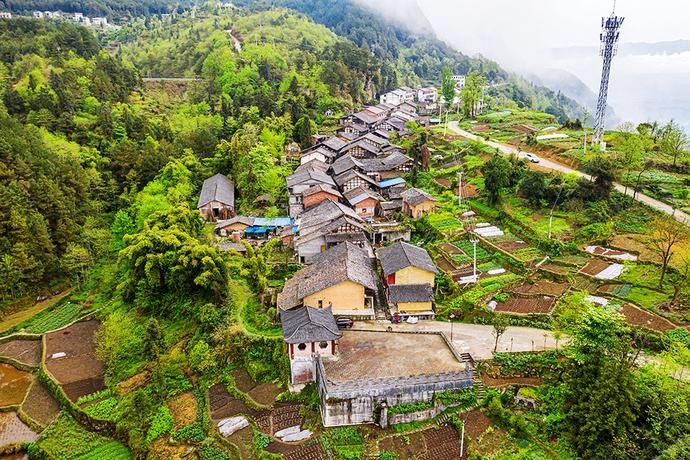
<point x="549" y="164"/>
<point x="476" y="339"/>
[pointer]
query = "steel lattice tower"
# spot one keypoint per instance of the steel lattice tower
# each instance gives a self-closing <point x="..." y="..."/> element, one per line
<point x="609" y="47"/>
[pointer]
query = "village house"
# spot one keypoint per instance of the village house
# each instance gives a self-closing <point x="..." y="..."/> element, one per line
<point x="352" y="179"/>
<point x="397" y="96"/>
<point x="5" y="15"/>
<point x="308" y="332"/>
<point x="341" y="278"/>
<point x="427" y="95"/>
<point x="239" y="224"/>
<point x="314" y="195"/>
<point x="364" y="201"/>
<point x="373" y="371"/>
<point x="416" y="202"/>
<point x="301" y="181"/>
<point x="407" y="300"/>
<point x="326" y="225"/>
<point x="320" y="153"/>
<point x="217" y="198"/>
<point x="404" y="263"/>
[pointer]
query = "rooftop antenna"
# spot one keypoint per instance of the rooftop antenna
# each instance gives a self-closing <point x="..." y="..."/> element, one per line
<point x="610" y="33"/>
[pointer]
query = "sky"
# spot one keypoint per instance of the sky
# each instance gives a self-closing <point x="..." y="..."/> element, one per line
<point x="519" y="34"/>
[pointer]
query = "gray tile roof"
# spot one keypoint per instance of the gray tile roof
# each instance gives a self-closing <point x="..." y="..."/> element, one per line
<point x="344" y="262"/>
<point x="217" y="188"/>
<point x="415" y="196"/>
<point x="400" y="255"/>
<point x="345" y="177"/>
<point x="306" y="324"/>
<point x="334" y="143"/>
<point x="345" y="163"/>
<point x="312" y="165"/>
<point x="309" y="175"/>
<point x="389" y="163"/>
<point x="402" y="293"/>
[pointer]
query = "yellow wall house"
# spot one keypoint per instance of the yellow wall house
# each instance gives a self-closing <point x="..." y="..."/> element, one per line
<point x="416" y="203"/>
<point x="409" y="277"/>
<point x="342" y="278"/>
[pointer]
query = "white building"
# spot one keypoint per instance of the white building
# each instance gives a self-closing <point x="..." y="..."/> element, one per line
<point x="99" y="22"/>
<point x="398" y="96"/>
<point x="459" y="81"/>
<point x="428" y="95"/>
<point x="5" y="15"/>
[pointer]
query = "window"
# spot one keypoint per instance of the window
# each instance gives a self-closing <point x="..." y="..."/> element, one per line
<point x="302" y="346"/>
<point x="320" y="303"/>
<point x="323" y="345"/>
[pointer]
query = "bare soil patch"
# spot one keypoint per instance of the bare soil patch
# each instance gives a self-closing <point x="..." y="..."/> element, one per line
<point x="541" y="287"/>
<point x="542" y="305"/>
<point x="13" y="430"/>
<point x="243" y="381"/>
<point x="243" y="441"/>
<point x="638" y="317"/>
<point x="265" y="393"/>
<point x="451" y="249"/>
<point x="442" y="444"/>
<point x="407" y="447"/>
<point x="25" y="351"/>
<point x="313" y="452"/>
<point x="445" y="183"/>
<point x="512" y="246"/>
<point x="481" y="440"/>
<point x="13" y="385"/>
<point x="80" y="372"/>
<point x="481" y="127"/>
<point x="594" y="267"/>
<point x="444" y="264"/>
<point x="134" y="382"/>
<point x="634" y="243"/>
<point x="183" y="409"/>
<point x="498" y="382"/>
<point x="224" y="405"/>
<point x="40" y="404"/>
<point x="285" y="416"/>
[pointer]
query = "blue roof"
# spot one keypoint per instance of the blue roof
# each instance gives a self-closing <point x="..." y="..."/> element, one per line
<point x="272" y="221"/>
<point x="391" y="182"/>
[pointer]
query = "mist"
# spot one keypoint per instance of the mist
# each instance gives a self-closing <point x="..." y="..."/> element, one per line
<point x="536" y="37"/>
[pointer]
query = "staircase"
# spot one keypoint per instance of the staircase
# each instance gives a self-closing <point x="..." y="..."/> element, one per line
<point x="479" y="387"/>
<point x="467" y="358"/>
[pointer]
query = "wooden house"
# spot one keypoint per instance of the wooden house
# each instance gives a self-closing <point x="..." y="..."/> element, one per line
<point x="316" y="194"/>
<point x="417" y="202"/>
<point x="364" y="201"/>
<point x="217" y="198"/>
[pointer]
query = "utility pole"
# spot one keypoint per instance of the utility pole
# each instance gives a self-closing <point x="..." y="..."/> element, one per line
<point x="585" y="115"/>
<point x="610" y="33"/>
<point x="552" y="208"/>
<point x="460" y="189"/>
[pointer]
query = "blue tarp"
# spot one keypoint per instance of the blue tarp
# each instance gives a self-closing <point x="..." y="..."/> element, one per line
<point x="259" y="230"/>
<point x="391" y="182"/>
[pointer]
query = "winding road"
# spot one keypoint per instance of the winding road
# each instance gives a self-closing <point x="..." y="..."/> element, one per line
<point x="680" y="216"/>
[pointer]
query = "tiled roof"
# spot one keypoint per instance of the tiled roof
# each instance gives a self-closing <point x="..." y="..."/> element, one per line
<point x="400" y="255"/>
<point x="403" y="293"/>
<point x="415" y="196"/>
<point x="217" y="188"/>
<point x="248" y="221"/>
<point x="343" y="178"/>
<point x="344" y="262"/>
<point x="306" y="324"/>
<point x="305" y="176"/>
<point x="321" y="188"/>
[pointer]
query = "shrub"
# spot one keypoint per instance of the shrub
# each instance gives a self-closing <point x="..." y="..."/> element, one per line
<point x="408" y="408"/>
<point x="161" y="423"/>
<point x="261" y="440"/>
<point x="387" y="455"/>
<point x="464" y="398"/>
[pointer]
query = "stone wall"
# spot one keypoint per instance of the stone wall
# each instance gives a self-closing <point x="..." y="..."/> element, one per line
<point x="360" y="402"/>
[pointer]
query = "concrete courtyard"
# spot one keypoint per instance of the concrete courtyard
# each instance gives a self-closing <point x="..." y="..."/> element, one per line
<point x="476" y="339"/>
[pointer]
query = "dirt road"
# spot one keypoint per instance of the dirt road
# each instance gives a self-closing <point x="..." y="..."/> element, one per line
<point x="680" y="216"/>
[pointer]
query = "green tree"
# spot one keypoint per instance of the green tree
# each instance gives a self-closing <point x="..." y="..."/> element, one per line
<point x="471" y="94"/>
<point x="666" y="236"/>
<point x="154" y="342"/>
<point x="302" y="132"/>
<point x="599" y="401"/>
<point x="674" y="141"/>
<point x="447" y="87"/>
<point x="500" y="326"/>
<point x="496" y="173"/>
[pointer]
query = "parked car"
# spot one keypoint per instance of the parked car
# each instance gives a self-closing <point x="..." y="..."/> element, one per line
<point x="412" y="320"/>
<point x="532" y="157"/>
<point x="344" y="323"/>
